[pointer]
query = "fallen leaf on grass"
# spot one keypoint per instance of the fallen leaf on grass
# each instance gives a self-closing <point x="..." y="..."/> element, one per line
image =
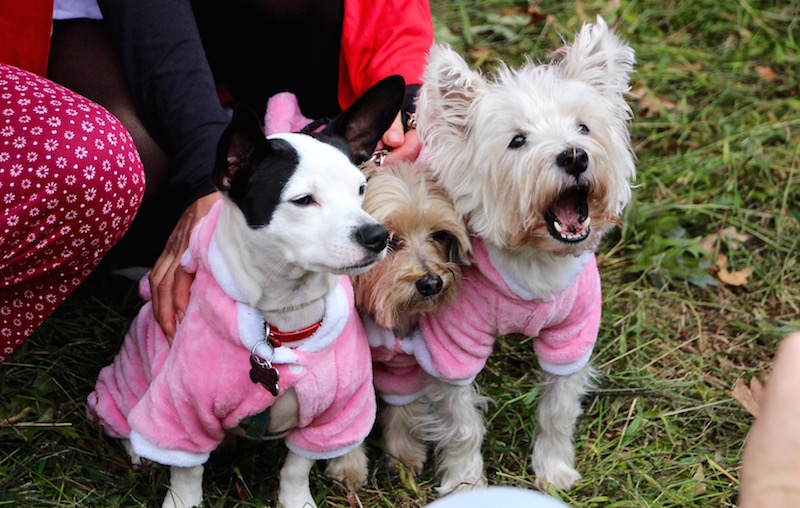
<point x="699" y="476"/>
<point x="534" y="12"/>
<point x="766" y="72"/>
<point x="694" y="66"/>
<point x="709" y="242"/>
<point x="480" y="55"/>
<point x="650" y="104"/>
<point x="749" y="396"/>
<point x="737" y="278"/>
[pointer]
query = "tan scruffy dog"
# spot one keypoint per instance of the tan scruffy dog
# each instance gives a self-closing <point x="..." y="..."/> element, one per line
<point x="428" y="242"/>
<point x="428" y="245"/>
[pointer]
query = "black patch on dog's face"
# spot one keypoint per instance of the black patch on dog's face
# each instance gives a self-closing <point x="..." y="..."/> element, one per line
<point x="252" y="170"/>
<point x="257" y="191"/>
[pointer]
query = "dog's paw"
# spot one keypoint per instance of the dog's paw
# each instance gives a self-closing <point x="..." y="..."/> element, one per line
<point x="557" y="473"/>
<point x="404" y="447"/>
<point x="451" y="484"/>
<point x="174" y="501"/>
<point x="412" y="454"/>
<point x="350" y="470"/>
<point x="296" y="500"/>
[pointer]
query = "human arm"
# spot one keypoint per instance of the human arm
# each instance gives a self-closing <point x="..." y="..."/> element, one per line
<point x="169" y="283"/>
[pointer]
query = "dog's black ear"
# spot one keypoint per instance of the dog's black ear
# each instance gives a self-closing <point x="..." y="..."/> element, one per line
<point x="362" y="124"/>
<point x="236" y="146"/>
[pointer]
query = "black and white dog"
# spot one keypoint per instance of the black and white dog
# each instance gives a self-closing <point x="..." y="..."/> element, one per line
<point x="270" y="325"/>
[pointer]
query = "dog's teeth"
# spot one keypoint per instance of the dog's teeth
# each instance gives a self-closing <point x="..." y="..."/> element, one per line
<point x="558" y="226"/>
<point x="587" y="222"/>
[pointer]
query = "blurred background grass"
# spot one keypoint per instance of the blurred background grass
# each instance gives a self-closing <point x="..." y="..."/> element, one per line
<point x="700" y="285"/>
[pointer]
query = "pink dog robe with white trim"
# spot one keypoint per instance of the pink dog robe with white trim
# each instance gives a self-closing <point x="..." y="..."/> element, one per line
<point x="175" y="403"/>
<point x="454" y="343"/>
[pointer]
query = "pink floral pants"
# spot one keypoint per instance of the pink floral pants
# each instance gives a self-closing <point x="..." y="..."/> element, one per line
<point x="70" y="184"/>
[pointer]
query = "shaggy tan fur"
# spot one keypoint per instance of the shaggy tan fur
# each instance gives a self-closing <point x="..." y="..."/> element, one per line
<point x="427" y="238"/>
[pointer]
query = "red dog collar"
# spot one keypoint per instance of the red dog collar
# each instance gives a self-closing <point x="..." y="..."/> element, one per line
<point x="276" y="337"/>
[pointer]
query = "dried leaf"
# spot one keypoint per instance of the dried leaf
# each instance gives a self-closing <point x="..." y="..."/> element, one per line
<point x="480" y="55"/>
<point x="709" y="242"/>
<point x="737" y="278"/>
<point x="699" y="476"/>
<point x="696" y="66"/>
<point x="536" y="14"/>
<point x="749" y="397"/>
<point x="649" y="104"/>
<point x="766" y="72"/>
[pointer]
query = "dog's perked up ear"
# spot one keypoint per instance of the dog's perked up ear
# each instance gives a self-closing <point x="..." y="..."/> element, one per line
<point x="449" y="90"/>
<point x="236" y="146"/>
<point x="598" y="57"/>
<point x="362" y="124"/>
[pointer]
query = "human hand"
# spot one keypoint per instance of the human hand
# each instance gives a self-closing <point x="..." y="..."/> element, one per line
<point x="403" y="145"/>
<point x="169" y="283"/>
<point x="771" y="460"/>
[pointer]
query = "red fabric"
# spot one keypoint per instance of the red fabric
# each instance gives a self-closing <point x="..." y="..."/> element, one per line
<point x="371" y="50"/>
<point x="25" y="28"/>
<point x="70" y="184"/>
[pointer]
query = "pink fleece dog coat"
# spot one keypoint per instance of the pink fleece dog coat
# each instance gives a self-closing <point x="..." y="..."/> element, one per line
<point x="174" y="404"/>
<point x="454" y="343"/>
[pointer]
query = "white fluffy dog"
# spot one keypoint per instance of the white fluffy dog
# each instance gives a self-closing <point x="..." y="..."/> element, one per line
<point x="538" y="161"/>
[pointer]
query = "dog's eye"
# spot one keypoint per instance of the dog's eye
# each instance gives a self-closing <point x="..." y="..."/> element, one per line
<point x="440" y="236"/>
<point x="303" y="200"/>
<point x="362" y="189"/>
<point x="583" y="129"/>
<point x="517" y="141"/>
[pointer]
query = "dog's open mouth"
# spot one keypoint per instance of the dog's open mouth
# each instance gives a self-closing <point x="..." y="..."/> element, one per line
<point x="568" y="216"/>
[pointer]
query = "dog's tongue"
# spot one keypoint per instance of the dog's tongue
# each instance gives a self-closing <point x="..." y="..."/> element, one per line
<point x="566" y="210"/>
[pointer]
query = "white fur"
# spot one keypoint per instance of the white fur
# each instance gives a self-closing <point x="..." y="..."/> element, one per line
<point x="466" y="123"/>
<point x="185" y="487"/>
<point x="301" y="254"/>
<point x="294" y="485"/>
<point x="559" y="405"/>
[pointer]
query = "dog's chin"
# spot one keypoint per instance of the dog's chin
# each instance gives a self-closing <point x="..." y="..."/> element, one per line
<point x="358" y="267"/>
<point x="543" y="237"/>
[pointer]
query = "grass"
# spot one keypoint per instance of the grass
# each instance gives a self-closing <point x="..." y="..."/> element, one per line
<point x="717" y="135"/>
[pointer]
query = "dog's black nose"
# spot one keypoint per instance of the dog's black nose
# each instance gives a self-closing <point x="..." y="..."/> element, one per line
<point x="429" y="285"/>
<point x="573" y="160"/>
<point x="373" y="237"/>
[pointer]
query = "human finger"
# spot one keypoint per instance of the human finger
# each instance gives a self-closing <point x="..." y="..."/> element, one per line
<point x="409" y="150"/>
<point x="181" y="292"/>
<point x="394" y="135"/>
